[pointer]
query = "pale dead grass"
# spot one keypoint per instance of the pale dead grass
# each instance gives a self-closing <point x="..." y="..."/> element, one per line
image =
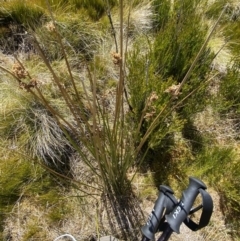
<point x="215" y="231"/>
<point x="25" y="216"/>
<point x="223" y="131"/>
<point x="141" y="17"/>
<point x="223" y="55"/>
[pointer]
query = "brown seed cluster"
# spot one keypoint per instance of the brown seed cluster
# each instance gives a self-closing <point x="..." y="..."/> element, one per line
<point x="117" y="59"/>
<point x="173" y="90"/>
<point x="19" y="71"/>
<point x="50" y="26"/>
<point x="150" y="106"/>
<point x="27" y="87"/>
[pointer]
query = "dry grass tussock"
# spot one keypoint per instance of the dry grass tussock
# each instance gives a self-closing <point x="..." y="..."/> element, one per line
<point x="222" y="131"/>
<point x="141" y="17"/>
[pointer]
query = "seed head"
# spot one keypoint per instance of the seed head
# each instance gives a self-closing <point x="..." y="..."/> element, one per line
<point x="19" y="71"/>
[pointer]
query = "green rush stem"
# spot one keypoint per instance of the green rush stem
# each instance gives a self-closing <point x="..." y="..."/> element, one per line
<point x="62" y="90"/>
<point x="69" y="179"/>
<point x="67" y="64"/>
<point x="120" y="87"/>
<point x="63" y="50"/>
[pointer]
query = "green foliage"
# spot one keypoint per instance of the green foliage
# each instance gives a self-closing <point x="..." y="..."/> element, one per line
<point x="230" y="22"/>
<point x="80" y="39"/>
<point x="32" y="231"/>
<point x="232" y="33"/>
<point x="16" y="17"/>
<point x="220" y="167"/>
<point x="21" y="12"/>
<point x="231" y="13"/>
<point x="210" y="163"/>
<point x="158" y="70"/>
<point x="12" y="181"/>
<point x="71" y="109"/>
<point x="56" y="215"/>
<point x="229" y="92"/>
<point x="148" y="98"/>
<point x="142" y="81"/>
<point x="178" y="43"/>
<point x="22" y="178"/>
<point x="94" y="8"/>
<point x="215" y="8"/>
<point x="162" y="13"/>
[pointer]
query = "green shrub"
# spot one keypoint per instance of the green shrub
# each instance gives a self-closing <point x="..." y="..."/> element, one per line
<point x="219" y="167"/>
<point x="178" y="43"/>
<point x="162" y="13"/>
<point x="156" y="73"/>
<point x="148" y="98"/>
<point x="229" y="91"/>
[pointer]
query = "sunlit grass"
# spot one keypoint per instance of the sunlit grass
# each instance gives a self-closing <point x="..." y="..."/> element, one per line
<point x="72" y="110"/>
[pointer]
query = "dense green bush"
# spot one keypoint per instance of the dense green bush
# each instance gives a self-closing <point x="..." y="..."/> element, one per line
<point x="162" y="13"/>
<point x="160" y="68"/>
<point x="229" y="91"/>
<point x="219" y="166"/>
<point x="178" y="43"/>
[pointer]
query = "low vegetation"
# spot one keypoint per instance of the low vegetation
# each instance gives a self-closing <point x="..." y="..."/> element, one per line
<point x="102" y="101"/>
